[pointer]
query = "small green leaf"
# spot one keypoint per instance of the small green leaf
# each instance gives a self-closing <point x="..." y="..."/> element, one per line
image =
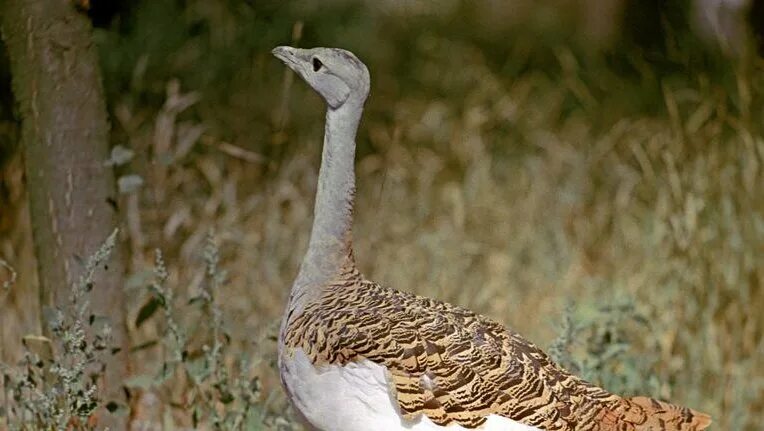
<point x="144" y="346"/>
<point x="226" y="397"/>
<point x="168" y="368"/>
<point x="117" y="408"/>
<point x="196" y="300"/>
<point x="195" y="417"/>
<point x="148" y="310"/>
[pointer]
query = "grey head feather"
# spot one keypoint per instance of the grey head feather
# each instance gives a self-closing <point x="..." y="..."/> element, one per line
<point x="336" y="74"/>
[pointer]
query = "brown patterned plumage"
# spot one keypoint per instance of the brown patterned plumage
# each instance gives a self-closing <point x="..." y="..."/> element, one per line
<point x="455" y="366"/>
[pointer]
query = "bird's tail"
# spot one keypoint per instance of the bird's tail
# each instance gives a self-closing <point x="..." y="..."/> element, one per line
<point x="649" y="414"/>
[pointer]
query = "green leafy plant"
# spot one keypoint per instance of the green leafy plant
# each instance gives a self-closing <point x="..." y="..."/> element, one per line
<point x="597" y="343"/>
<point x="55" y="387"/>
<point x="220" y="393"/>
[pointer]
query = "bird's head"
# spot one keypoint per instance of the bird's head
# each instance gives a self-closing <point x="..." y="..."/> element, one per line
<point x="336" y="74"/>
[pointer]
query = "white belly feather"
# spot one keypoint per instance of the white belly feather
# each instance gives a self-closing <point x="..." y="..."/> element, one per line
<point x="357" y="397"/>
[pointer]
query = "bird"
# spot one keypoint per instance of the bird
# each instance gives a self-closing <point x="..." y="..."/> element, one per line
<point x="356" y="356"/>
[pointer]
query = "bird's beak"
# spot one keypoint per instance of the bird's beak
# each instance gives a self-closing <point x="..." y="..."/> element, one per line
<point x="286" y="54"/>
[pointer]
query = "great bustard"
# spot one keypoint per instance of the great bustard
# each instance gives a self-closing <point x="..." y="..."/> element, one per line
<point x="355" y="356"/>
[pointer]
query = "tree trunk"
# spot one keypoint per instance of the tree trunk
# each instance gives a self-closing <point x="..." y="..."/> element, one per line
<point x="65" y="131"/>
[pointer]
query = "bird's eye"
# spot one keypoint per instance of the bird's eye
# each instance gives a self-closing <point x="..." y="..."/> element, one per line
<point x="317" y="64"/>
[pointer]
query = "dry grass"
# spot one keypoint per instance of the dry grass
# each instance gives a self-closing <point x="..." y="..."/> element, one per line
<point x="663" y="213"/>
<point x="511" y="196"/>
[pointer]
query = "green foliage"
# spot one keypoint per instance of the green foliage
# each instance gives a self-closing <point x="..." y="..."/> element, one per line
<point x="597" y="345"/>
<point x="220" y="391"/>
<point x="56" y="385"/>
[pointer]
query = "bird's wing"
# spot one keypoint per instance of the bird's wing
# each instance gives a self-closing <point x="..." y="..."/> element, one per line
<point x="455" y="366"/>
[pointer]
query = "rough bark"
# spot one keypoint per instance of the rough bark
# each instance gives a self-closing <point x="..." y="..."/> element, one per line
<point x="72" y="194"/>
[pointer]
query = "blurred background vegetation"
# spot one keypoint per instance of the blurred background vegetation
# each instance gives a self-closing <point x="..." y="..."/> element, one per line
<point x="588" y="172"/>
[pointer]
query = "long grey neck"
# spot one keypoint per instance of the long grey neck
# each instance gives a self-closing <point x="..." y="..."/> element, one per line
<point x="330" y="244"/>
